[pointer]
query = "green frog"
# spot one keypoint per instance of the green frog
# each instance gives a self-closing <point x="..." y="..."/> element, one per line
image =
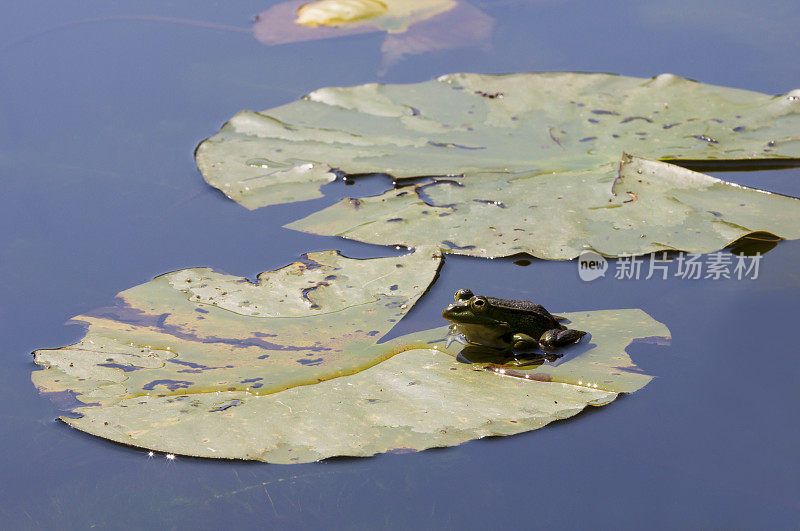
<point x="507" y="325"/>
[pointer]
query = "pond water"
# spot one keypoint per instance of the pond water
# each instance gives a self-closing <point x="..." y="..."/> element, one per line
<point x="99" y="115"/>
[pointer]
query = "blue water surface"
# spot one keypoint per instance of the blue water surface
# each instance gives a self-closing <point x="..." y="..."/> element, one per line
<point x="99" y="115"/>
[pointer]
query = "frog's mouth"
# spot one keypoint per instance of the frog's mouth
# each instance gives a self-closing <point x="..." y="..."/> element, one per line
<point x="461" y="314"/>
<point x="459" y="311"/>
<point x="451" y="311"/>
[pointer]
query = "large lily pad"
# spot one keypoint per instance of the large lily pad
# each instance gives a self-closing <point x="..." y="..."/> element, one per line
<point x="534" y="163"/>
<point x="205" y="331"/>
<point x="289" y="370"/>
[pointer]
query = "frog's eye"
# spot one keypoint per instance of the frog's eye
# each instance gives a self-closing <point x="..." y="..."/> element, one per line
<point x="463" y="295"/>
<point x="478" y="304"/>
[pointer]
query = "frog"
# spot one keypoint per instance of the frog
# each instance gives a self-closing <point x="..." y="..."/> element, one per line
<point x="506" y="325"/>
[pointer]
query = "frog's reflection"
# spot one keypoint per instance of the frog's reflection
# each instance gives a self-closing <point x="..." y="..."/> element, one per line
<point x="483" y="355"/>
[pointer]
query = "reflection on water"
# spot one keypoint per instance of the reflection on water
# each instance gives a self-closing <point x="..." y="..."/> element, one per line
<point x="754" y="244"/>
<point x="529" y="360"/>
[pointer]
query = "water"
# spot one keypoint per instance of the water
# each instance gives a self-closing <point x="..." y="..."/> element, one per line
<point x="100" y="192"/>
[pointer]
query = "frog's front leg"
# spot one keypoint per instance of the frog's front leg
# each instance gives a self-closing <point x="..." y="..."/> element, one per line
<point x="555" y="338"/>
<point x="523" y="343"/>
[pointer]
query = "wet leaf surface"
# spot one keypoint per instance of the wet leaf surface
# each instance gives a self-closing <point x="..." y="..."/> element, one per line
<point x="289" y="370"/>
<point x="546" y="164"/>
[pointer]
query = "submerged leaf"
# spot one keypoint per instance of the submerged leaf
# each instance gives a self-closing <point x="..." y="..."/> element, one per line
<point x="520" y="163"/>
<point x="299" y="20"/>
<point x="390" y="15"/>
<point x="204" y="364"/>
<point x="414" y="27"/>
<point x="335" y="12"/>
<point x="464" y="26"/>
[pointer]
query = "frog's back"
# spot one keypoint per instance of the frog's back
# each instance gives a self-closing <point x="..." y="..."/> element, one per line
<point x="525" y="316"/>
<point x="521" y="305"/>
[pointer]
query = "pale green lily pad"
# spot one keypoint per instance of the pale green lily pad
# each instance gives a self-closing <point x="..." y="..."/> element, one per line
<point x="203" y="364"/>
<point x="638" y="206"/>
<point x="536" y="162"/>
<point x="204" y="332"/>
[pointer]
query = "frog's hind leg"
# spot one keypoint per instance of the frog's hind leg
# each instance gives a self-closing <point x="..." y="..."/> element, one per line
<point x="523" y="347"/>
<point x="552" y="339"/>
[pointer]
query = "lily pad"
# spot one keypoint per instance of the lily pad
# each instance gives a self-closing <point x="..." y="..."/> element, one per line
<point x="547" y="164"/>
<point x="204" y="331"/>
<point x="290" y="370"/>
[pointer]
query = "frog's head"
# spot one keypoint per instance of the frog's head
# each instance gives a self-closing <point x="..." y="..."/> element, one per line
<point x="472" y="317"/>
<point x="469" y="309"/>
